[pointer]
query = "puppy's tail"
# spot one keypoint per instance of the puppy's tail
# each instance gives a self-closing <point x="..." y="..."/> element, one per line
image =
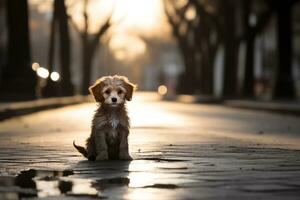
<point x="80" y="149"/>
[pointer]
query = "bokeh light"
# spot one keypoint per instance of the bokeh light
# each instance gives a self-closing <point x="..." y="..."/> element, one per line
<point x="191" y="13"/>
<point x="54" y="76"/>
<point x="35" y="66"/>
<point x="162" y="90"/>
<point x="42" y="72"/>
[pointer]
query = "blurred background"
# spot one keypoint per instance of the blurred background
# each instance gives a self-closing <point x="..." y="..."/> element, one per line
<point x="224" y="49"/>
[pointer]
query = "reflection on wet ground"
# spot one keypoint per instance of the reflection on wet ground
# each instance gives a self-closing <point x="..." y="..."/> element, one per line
<point x="191" y="171"/>
<point x="87" y="180"/>
<point x="35" y="183"/>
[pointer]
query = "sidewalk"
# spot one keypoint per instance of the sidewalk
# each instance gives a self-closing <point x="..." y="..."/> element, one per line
<point x="8" y="110"/>
<point x="283" y="107"/>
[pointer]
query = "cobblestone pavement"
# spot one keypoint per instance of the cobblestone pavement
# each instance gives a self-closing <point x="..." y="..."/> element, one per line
<point x="181" y="151"/>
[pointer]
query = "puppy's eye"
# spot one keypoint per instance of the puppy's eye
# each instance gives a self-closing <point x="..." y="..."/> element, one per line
<point x="120" y="91"/>
<point x="107" y="91"/>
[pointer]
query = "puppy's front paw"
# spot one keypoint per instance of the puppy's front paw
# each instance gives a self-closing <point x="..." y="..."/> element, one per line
<point x="102" y="156"/>
<point x="125" y="156"/>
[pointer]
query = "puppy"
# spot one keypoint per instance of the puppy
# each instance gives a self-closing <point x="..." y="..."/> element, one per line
<point x="110" y="125"/>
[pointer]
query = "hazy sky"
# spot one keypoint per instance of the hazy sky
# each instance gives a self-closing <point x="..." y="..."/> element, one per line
<point x="132" y="18"/>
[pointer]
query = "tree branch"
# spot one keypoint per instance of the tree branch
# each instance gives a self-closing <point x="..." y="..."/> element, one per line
<point x="180" y="13"/>
<point x="103" y="29"/>
<point x="86" y="18"/>
<point x="202" y="11"/>
<point x="74" y="25"/>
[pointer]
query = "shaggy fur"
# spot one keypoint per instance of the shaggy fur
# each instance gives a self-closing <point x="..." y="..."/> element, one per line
<point x="110" y="125"/>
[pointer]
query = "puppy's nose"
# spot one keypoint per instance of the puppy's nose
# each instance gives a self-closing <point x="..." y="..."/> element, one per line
<point x="114" y="99"/>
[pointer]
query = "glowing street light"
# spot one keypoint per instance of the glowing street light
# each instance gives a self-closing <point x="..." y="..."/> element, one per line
<point x="42" y="72"/>
<point x="35" y="66"/>
<point x="54" y="76"/>
<point x="162" y="90"/>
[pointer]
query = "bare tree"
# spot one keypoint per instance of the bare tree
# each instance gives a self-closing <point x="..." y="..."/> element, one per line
<point x="65" y="48"/>
<point x="182" y="32"/>
<point x="250" y="33"/>
<point x="207" y="38"/>
<point x="198" y="44"/>
<point x="284" y="84"/>
<point x="220" y="18"/>
<point x="229" y="26"/>
<point x="89" y="44"/>
<point x="18" y="80"/>
<point x="60" y="21"/>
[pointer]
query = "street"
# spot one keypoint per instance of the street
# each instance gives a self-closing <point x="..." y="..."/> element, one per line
<point x="180" y="151"/>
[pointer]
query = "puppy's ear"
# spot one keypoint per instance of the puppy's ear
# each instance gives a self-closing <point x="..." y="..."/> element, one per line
<point x="130" y="88"/>
<point x="96" y="90"/>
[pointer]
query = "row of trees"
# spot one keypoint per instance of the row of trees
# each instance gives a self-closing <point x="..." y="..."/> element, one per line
<point x="18" y="80"/>
<point x="89" y="42"/>
<point x="201" y="27"/>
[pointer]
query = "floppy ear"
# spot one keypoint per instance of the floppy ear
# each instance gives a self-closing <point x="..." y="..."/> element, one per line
<point x="96" y="90"/>
<point x="130" y="88"/>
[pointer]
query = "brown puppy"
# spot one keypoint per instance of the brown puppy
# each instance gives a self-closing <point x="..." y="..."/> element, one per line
<point x="110" y="126"/>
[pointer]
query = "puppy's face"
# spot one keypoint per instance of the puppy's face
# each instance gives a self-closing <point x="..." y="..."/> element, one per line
<point x="113" y="94"/>
<point x="112" y="90"/>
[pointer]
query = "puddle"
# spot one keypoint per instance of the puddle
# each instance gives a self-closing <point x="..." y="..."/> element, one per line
<point x="43" y="183"/>
<point x="162" y="186"/>
<point x="111" y="182"/>
<point x="91" y="180"/>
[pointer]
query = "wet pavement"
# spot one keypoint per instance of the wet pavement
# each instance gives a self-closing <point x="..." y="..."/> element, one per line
<point x="181" y="151"/>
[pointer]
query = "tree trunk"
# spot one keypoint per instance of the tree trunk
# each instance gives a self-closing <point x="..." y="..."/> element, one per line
<point x="230" y="59"/>
<point x="2" y="45"/>
<point x="51" y="88"/>
<point x="208" y="87"/>
<point x="89" y="50"/>
<point x="207" y="58"/>
<point x="86" y="72"/>
<point x="248" y="82"/>
<point x="19" y="81"/>
<point x="64" y="87"/>
<point x="186" y="83"/>
<point x="248" y="85"/>
<point x="284" y="84"/>
<point x="65" y="51"/>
